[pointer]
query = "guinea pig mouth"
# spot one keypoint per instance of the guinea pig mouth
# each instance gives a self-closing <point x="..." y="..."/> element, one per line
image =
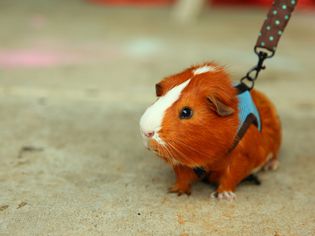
<point x="148" y="145"/>
<point x="151" y="145"/>
<point x="157" y="145"/>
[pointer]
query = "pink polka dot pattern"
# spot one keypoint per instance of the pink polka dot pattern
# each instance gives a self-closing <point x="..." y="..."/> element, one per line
<point x="274" y="25"/>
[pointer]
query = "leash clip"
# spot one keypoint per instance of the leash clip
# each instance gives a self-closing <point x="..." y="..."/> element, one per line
<point x="253" y="73"/>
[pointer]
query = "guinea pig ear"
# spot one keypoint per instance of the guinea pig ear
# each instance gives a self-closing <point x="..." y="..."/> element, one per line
<point x="158" y="90"/>
<point x="219" y="107"/>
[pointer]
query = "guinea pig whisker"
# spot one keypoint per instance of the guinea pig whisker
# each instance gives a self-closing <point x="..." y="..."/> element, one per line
<point x="174" y="148"/>
<point x="163" y="151"/>
<point x="167" y="153"/>
<point x="182" y="143"/>
<point x="189" y="147"/>
<point x="171" y="155"/>
<point x="180" y="153"/>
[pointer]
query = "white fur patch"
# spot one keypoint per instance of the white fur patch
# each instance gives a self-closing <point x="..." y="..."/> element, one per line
<point x="204" y="69"/>
<point x="152" y="118"/>
<point x="157" y="138"/>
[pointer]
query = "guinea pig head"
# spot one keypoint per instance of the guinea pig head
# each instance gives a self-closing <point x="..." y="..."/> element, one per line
<point x="194" y="119"/>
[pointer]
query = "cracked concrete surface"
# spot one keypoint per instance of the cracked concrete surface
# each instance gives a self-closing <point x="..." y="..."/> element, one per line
<point x="74" y="80"/>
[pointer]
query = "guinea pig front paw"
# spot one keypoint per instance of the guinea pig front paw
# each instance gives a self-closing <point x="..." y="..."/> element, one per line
<point x="179" y="189"/>
<point x="226" y="195"/>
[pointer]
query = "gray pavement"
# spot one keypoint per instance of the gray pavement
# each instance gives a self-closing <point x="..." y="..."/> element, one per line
<point x="76" y="82"/>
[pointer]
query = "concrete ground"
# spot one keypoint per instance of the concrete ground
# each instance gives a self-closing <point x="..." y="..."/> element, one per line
<point x="74" y="80"/>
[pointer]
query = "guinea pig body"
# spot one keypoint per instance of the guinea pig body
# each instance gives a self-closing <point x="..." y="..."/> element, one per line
<point x="194" y="123"/>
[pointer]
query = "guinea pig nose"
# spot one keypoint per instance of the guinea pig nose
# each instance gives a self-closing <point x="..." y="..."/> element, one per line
<point x="149" y="134"/>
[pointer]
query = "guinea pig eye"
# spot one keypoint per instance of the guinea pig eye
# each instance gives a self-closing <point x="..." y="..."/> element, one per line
<point x="185" y="113"/>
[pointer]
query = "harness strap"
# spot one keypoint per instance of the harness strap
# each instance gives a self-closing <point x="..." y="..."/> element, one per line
<point x="248" y="115"/>
<point x="250" y="119"/>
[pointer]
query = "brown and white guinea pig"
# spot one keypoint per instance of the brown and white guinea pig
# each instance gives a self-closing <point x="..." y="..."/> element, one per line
<point x="194" y="122"/>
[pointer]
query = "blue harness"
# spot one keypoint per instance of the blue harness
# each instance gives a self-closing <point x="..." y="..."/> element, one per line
<point x="248" y="114"/>
<point x="246" y="107"/>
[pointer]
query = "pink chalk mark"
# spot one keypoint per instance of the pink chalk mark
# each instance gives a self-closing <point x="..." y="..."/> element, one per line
<point x="32" y="58"/>
<point x="38" y="21"/>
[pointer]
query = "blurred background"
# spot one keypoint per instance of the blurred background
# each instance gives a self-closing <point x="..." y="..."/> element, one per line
<point x="75" y="77"/>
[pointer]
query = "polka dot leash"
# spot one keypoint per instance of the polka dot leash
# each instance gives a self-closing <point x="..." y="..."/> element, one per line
<point x="274" y="25"/>
<point x="268" y="38"/>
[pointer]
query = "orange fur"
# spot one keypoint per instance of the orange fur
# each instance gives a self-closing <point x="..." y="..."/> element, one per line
<point x="204" y="140"/>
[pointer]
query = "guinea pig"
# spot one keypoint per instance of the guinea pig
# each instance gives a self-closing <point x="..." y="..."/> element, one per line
<point x="197" y="126"/>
